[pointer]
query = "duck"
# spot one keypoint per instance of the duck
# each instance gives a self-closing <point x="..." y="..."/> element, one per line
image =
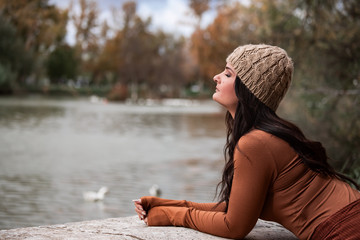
<point x="95" y="196"/>
<point x="155" y="190"/>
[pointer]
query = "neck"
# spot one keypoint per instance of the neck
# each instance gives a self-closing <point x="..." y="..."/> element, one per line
<point x="232" y="113"/>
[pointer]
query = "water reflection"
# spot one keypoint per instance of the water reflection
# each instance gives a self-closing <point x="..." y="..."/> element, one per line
<point x="28" y="117"/>
<point x="54" y="150"/>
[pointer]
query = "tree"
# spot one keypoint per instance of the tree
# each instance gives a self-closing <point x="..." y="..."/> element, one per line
<point x="210" y="46"/>
<point x="87" y="40"/>
<point x="14" y="60"/>
<point x="198" y="8"/>
<point x="333" y="47"/>
<point x="62" y="64"/>
<point x="150" y="64"/>
<point x="39" y="25"/>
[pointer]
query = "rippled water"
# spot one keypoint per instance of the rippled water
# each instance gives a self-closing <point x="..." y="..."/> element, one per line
<point x="51" y="151"/>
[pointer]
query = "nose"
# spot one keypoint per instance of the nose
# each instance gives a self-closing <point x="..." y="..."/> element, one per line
<point x="216" y="78"/>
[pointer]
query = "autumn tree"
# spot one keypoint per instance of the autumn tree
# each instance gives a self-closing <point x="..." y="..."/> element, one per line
<point x="199" y="7"/>
<point x="148" y="63"/>
<point x="198" y="51"/>
<point x="39" y="25"/>
<point x="86" y="24"/>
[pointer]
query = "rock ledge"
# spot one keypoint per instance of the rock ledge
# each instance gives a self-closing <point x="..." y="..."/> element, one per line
<point x="130" y="228"/>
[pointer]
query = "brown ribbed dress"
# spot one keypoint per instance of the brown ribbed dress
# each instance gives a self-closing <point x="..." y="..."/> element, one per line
<point x="270" y="183"/>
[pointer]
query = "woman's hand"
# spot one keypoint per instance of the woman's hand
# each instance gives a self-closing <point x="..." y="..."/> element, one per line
<point x="140" y="210"/>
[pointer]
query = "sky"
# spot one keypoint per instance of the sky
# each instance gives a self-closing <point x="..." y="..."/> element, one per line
<point x="171" y="16"/>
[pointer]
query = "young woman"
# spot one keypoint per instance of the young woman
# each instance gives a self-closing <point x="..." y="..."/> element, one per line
<point x="272" y="170"/>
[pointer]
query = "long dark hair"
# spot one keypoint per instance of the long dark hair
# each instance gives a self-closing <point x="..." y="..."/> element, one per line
<point x="251" y="113"/>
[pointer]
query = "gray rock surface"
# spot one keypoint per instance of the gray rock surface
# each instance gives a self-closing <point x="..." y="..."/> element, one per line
<point x="131" y="228"/>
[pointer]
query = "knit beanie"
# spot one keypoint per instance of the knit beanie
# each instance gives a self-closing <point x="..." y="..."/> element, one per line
<point x="265" y="70"/>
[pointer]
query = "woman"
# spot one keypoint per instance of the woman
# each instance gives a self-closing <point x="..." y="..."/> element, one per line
<point x="272" y="171"/>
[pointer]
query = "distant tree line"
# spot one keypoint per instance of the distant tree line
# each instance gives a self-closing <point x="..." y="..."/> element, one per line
<point x="129" y="60"/>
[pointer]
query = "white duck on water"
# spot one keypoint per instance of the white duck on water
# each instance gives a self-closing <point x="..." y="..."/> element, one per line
<point x="155" y="190"/>
<point x="96" y="196"/>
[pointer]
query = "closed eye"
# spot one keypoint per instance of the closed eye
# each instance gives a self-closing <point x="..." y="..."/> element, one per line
<point x="230" y="70"/>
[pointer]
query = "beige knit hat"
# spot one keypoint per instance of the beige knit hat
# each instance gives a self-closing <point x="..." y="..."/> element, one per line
<point x="265" y="70"/>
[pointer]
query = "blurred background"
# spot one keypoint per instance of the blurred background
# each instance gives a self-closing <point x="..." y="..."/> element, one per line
<point x="117" y="93"/>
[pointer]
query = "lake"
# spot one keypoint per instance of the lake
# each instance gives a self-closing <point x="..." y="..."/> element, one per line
<point x="53" y="150"/>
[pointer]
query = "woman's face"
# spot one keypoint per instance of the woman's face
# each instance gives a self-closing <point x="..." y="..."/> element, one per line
<point x="225" y="91"/>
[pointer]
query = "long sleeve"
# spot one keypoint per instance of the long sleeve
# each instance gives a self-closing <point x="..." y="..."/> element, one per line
<point x="151" y="202"/>
<point x="254" y="169"/>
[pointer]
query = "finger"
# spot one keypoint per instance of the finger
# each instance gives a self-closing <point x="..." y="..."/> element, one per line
<point x="138" y="206"/>
<point x="141" y="217"/>
<point x="146" y="221"/>
<point x="140" y="212"/>
<point x="137" y="202"/>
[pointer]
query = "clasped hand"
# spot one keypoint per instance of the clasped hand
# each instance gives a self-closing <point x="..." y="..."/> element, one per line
<point x="140" y="210"/>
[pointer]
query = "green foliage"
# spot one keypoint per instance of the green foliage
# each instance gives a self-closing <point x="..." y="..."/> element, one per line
<point x="62" y="64"/>
<point x="331" y="75"/>
<point x="355" y="174"/>
<point x="6" y="77"/>
<point x="14" y="59"/>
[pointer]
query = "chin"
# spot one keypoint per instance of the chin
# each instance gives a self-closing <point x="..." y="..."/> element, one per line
<point x="215" y="98"/>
